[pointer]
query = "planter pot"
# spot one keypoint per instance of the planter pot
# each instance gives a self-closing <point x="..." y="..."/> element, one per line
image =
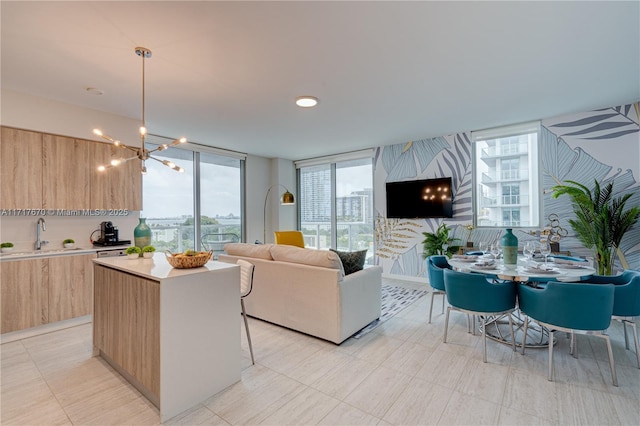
<point x="69" y="245"/>
<point x="147" y="254"/>
<point x="7" y="249"/>
<point x="133" y="256"/>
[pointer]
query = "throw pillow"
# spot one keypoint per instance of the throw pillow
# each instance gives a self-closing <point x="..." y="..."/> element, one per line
<point x="351" y="261"/>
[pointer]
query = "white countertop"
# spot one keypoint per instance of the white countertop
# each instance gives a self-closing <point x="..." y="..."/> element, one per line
<point x="21" y="255"/>
<point x="157" y="268"/>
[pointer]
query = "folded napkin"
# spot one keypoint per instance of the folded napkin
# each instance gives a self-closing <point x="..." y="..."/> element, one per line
<point x="536" y="266"/>
<point x="485" y="262"/>
<point x="569" y="262"/>
<point x="465" y="256"/>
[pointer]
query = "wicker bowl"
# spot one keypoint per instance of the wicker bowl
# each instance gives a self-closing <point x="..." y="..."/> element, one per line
<point x="180" y="261"/>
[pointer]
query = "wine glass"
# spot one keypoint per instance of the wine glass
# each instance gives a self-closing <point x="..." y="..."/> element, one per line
<point x="495" y="250"/>
<point x="545" y="249"/>
<point x="527" y="250"/>
<point x="484" y="248"/>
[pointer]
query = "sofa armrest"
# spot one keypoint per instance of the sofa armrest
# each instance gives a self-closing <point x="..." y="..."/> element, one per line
<point x="360" y="299"/>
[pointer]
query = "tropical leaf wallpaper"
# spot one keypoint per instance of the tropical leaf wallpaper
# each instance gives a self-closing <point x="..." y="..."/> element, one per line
<point x="601" y="145"/>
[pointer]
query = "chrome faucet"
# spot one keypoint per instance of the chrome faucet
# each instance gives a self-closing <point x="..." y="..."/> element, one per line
<point x="39" y="243"/>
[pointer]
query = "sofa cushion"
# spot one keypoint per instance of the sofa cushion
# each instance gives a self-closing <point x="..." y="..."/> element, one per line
<point x="292" y="254"/>
<point x="260" y="251"/>
<point x="352" y="261"/>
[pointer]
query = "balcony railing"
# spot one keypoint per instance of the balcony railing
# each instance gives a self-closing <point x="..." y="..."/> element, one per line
<point x="504" y="150"/>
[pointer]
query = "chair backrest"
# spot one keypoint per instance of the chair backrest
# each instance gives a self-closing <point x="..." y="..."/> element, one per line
<point x="570" y="305"/>
<point x="216" y="241"/>
<point x="623" y="278"/>
<point x="626" y="300"/>
<point x="435" y="266"/>
<point x="473" y="292"/>
<point x="564" y="257"/>
<point x="246" y="276"/>
<point x="290" y="238"/>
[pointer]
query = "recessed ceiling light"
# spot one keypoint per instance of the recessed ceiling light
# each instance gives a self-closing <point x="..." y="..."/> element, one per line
<point x="306" y="101"/>
<point x="94" y="91"/>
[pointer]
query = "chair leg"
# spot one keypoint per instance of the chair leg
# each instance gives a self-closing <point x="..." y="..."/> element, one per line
<point x="524" y="337"/>
<point x="611" y="363"/>
<point x="513" y="334"/>
<point x="431" y="307"/>
<point x="443" y="296"/>
<point x="446" y="324"/>
<point x="484" y="339"/>
<point x="550" y="375"/>
<point x="635" y="337"/>
<point x="626" y="337"/>
<point x="246" y="326"/>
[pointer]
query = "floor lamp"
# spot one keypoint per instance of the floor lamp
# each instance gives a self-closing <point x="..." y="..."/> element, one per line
<point x="286" y="200"/>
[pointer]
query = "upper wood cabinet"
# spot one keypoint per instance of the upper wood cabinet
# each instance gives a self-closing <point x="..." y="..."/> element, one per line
<point x="21" y="171"/>
<point x="43" y="171"/>
<point x="66" y="173"/>
<point x="118" y="187"/>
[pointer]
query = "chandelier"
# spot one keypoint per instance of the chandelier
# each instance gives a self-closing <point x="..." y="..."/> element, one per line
<point x="141" y="153"/>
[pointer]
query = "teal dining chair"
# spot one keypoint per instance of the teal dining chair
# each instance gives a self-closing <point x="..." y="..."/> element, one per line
<point x="472" y="294"/>
<point x="435" y="267"/>
<point x="574" y="308"/>
<point x="626" y="302"/>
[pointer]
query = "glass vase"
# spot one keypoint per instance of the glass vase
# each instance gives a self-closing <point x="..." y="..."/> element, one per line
<point x="510" y="248"/>
<point x="142" y="234"/>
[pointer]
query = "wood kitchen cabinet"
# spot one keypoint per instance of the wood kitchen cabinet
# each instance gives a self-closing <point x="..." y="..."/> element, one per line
<point x="45" y="290"/>
<point x="43" y="171"/>
<point x="70" y="286"/>
<point x="118" y="187"/>
<point x="21" y="171"/>
<point x="24" y="294"/>
<point x="66" y="173"/>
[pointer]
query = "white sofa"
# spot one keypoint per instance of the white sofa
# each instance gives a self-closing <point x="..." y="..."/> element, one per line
<point x="306" y="290"/>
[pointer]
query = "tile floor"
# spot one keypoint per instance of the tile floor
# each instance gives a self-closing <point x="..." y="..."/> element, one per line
<point x="400" y="373"/>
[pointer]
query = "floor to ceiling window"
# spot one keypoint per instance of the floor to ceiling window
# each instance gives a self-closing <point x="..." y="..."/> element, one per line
<point x="336" y="203"/>
<point x="204" y="200"/>
<point x="506" y="178"/>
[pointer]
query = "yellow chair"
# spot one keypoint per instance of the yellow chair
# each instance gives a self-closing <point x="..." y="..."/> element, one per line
<point x="290" y="238"/>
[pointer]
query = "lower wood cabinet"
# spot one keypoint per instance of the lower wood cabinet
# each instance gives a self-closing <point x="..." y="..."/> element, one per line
<point x="45" y="290"/>
<point x="70" y="285"/>
<point x="25" y="298"/>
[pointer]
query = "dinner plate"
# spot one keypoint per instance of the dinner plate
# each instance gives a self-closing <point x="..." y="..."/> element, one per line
<point x="465" y="260"/>
<point x="541" y="271"/>
<point x="568" y="266"/>
<point x="485" y="267"/>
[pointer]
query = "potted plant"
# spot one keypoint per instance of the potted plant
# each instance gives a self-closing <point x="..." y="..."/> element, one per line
<point x="133" y="252"/>
<point x="147" y="251"/>
<point x="439" y="242"/>
<point x="69" y="243"/>
<point x="6" y="247"/>
<point x="601" y="220"/>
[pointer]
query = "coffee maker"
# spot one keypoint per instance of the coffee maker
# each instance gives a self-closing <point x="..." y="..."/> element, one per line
<point x="109" y="235"/>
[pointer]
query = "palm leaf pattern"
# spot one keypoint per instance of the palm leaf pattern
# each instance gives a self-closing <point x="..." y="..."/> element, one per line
<point x="562" y="163"/>
<point x="609" y="123"/>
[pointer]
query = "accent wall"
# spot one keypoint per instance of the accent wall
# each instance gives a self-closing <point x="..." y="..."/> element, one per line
<point x="603" y="144"/>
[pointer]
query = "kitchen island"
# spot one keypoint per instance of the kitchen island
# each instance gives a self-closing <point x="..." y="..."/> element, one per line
<point x="172" y="333"/>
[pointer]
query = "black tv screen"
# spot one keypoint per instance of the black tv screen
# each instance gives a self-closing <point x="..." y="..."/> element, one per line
<point x="420" y="198"/>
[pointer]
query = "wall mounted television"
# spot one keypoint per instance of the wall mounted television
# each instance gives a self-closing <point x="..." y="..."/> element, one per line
<point x="420" y="198"/>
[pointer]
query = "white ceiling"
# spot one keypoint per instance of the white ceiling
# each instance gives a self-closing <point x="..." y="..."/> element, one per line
<point x="226" y="73"/>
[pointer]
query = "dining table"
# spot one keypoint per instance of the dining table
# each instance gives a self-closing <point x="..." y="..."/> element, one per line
<point x="526" y="272"/>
